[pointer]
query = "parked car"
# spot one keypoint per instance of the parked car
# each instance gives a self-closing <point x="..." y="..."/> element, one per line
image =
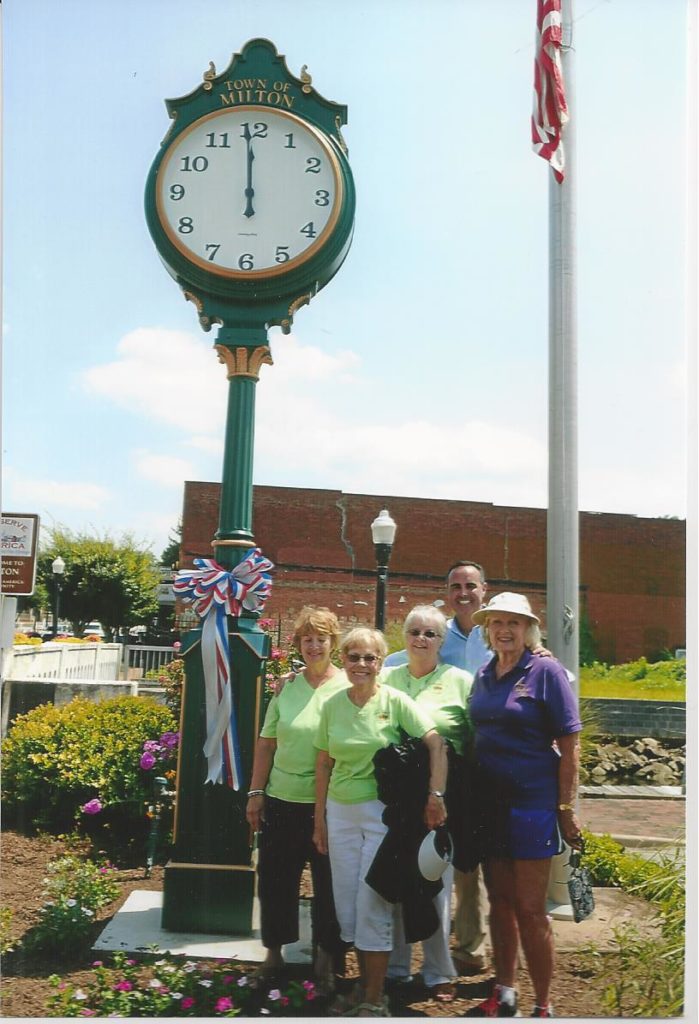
<point x="94" y="629"/>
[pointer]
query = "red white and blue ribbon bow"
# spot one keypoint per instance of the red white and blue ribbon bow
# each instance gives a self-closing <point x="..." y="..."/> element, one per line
<point x="215" y="593"/>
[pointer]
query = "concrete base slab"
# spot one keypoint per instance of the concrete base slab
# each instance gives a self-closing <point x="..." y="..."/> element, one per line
<point x="136" y="929"/>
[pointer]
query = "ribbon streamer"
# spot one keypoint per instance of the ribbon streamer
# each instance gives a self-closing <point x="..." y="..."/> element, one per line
<point x="215" y="593"/>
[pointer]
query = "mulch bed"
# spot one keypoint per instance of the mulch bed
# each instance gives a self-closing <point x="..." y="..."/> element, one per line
<point x="26" y="988"/>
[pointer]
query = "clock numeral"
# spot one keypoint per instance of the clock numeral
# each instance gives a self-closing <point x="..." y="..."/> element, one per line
<point x="290" y="141"/>
<point x="185" y="226"/>
<point x="308" y="230"/>
<point x="246" y="262"/>
<point x="282" y="254"/>
<point x="176" y="192"/>
<point x="213" y="144"/>
<point x="313" y="165"/>
<point x="198" y="163"/>
<point x="259" y="130"/>
<point x="322" y="197"/>
<point x="213" y="248"/>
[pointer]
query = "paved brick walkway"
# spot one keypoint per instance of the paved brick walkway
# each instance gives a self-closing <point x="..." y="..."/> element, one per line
<point x="646" y="817"/>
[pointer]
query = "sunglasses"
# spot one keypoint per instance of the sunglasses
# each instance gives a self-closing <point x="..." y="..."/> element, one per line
<point x="429" y="633"/>
<point x="370" y="659"/>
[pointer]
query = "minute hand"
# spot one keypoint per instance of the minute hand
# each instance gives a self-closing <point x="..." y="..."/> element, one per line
<point x="249" y="190"/>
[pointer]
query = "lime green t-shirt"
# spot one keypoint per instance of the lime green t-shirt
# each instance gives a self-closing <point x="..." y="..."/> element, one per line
<point x="292" y="719"/>
<point x="443" y="694"/>
<point x="352" y="735"/>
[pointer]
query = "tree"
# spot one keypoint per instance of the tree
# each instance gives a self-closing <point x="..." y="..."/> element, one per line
<point x="171" y="554"/>
<point x="112" y="581"/>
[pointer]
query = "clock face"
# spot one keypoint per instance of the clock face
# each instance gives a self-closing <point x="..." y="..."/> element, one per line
<point x="249" y="192"/>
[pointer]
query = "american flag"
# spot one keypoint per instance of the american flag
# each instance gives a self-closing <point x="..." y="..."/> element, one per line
<point x="550" y="112"/>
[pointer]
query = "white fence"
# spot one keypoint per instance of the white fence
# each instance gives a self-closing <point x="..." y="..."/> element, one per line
<point x="139" y="659"/>
<point x="63" y="661"/>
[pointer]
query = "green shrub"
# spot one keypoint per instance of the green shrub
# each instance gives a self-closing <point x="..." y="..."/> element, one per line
<point x="645" y="974"/>
<point x="56" y="760"/>
<point x="7" y="941"/>
<point x="662" y="680"/>
<point x="74" y="891"/>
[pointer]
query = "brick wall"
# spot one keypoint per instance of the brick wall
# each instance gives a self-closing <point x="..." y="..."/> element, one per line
<point x="631" y="569"/>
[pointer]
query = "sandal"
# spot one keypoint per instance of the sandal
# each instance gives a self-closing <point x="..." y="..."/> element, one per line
<point x="345" y="1004"/>
<point x="444" y="992"/>
<point x="371" y="1010"/>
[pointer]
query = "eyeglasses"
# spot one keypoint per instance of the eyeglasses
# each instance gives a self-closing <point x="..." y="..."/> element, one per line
<point x="370" y="659"/>
<point x="428" y="633"/>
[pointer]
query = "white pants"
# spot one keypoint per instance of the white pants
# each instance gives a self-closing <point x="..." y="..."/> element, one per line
<point x="355" y="832"/>
<point x="437" y="965"/>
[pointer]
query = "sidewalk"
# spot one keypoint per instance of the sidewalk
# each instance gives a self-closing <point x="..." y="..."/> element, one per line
<point x="634" y="821"/>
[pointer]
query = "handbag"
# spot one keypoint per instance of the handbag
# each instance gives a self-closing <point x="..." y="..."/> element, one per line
<point x="582" y="898"/>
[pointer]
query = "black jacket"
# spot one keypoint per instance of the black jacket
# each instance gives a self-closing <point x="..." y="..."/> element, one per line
<point x="402" y="774"/>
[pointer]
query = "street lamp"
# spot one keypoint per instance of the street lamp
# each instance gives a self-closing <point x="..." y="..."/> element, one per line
<point x="58" y="567"/>
<point x="383" y="532"/>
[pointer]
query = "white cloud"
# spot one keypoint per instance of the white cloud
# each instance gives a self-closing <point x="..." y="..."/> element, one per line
<point x="168" y="376"/>
<point x="166" y="470"/>
<point x="29" y="494"/>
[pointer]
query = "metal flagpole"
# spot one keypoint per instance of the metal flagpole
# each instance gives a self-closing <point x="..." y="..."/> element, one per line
<point x="562" y="559"/>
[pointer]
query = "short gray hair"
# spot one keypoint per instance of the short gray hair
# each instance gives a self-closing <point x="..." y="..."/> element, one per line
<point x="427" y="613"/>
<point x="365" y="635"/>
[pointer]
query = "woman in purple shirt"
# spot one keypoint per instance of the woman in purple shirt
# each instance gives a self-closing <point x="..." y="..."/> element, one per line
<point x="527" y="727"/>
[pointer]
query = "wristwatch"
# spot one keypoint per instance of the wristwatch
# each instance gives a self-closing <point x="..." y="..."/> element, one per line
<point x="566" y="807"/>
<point x="436" y="792"/>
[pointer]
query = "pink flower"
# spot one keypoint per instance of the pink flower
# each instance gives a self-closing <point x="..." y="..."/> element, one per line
<point x="170" y="739"/>
<point x="91" y="807"/>
<point x="227" y="979"/>
<point x="123" y="986"/>
<point x="274" y="994"/>
<point x="147" y="761"/>
<point x="284" y="1001"/>
<point x="276" y="654"/>
<point x="223" y="1004"/>
<point x="309" y="985"/>
<point x="98" y="963"/>
<point x="187" y="1002"/>
<point x="87" y="1012"/>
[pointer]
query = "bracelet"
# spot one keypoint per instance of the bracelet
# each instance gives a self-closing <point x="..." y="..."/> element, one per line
<point x="566" y="807"/>
<point x="256" y="792"/>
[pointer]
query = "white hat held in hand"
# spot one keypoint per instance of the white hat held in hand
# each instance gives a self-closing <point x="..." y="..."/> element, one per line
<point x="435" y="854"/>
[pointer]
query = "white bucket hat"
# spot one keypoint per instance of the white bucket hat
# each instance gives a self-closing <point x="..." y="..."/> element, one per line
<point x="515" y="604"/>
<point x="435" y="854"/>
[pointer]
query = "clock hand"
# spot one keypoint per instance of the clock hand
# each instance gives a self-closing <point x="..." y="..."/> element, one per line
<point x="249" y="190"/>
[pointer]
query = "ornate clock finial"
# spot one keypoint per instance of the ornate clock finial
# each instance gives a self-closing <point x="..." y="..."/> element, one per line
<point x="209" y="76"/>
<point x="306" y="79"/>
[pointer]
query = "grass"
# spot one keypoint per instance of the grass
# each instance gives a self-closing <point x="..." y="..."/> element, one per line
<point x="636" y="680"/>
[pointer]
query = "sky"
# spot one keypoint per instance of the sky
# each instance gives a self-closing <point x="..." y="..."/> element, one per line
<point x="421" y="368"/>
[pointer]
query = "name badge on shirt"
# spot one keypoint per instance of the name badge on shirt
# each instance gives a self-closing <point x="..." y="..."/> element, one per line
<point x="520" y="688"/>
<point x="382" y="716"/>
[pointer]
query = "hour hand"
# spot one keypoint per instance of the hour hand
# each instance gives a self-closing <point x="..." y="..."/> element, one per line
<point x="249" y="190"/>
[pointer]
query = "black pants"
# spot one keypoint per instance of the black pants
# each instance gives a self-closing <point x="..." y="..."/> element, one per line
<point x="285" y="845"/>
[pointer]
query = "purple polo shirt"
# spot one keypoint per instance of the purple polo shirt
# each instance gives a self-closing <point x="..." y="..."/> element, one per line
<point x="516" y="718"/>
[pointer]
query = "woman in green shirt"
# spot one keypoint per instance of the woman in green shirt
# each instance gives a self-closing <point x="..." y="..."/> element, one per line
<point x="353" y="725"/>
<point x="281" y="801"/>
<point x="442" y="691"/>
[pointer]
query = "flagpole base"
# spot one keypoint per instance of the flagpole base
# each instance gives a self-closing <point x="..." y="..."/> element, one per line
<point x="208" y="898"/>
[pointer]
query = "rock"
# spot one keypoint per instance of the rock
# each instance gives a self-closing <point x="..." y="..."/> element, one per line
<point x="648" y="741"/>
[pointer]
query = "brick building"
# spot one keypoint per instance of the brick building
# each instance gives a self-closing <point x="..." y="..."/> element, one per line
<point x="632" y="570"/>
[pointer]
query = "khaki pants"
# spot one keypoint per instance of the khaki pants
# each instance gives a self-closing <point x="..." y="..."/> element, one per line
<point x="471" y="913"/>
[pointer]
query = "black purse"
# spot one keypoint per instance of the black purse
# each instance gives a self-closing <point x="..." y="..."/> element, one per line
<point x="582" y="898"/>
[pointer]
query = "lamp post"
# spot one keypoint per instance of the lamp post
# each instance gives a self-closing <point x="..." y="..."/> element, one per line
<point x="383" y="532"/>
<point x="58" y="567"/>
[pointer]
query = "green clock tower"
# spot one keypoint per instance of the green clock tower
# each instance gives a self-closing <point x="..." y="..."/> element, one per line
<point x="250" y="203"/>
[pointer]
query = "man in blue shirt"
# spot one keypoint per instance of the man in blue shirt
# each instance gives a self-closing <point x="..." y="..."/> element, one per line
<point x="464" y="647"/>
